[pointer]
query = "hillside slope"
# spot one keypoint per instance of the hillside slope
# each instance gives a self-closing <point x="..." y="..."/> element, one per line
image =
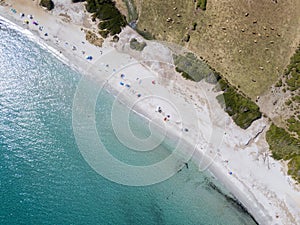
<point x="248" y="42"/>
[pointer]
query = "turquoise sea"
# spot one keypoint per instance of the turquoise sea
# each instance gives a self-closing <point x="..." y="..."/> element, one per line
<point x="45" y="180"/>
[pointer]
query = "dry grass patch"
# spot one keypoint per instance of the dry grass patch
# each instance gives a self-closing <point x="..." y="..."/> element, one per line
<point x="248" y="42"/>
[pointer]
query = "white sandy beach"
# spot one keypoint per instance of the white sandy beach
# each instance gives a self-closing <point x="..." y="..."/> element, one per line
<point x="238" y="158"/>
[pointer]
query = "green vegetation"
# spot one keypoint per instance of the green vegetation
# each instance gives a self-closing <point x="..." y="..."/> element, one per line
<point x="294" y="168"/>
<point x="145" y="34"/>
<point x="186" y="38"/>
<point x="194" y="69"/>
<point x="290" y="83"/>
<point x="47" y="4"/>
<point x="293" y="81"/>
<point x="279" y="83"/>
<point x="286" y="147"/>
<point x="111" y="20"/>
<point x="294" y="125"/>
<point x="242" y="110"/>
<point x="201" y="4"/>
<point x="293" y="72"/>
<point x="194" y="26"/>
<point x="138" y="46"/>
<point x="282" y="144"/>
<point x="295" y="62"/>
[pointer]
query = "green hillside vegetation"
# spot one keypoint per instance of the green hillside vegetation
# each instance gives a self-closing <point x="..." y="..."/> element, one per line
<point x="242" y="110"/>
<point x="194" y="69"/>
<point x="292" y="77"/>
<point x="47" y="4"/>
<point x="294" y="125"/>
<point x="294" y="167"/>
<point x="111" y="20"/>
<point x="290" y="83"/>
<point x="286" y="147"/>
<point x="145" y="34"/>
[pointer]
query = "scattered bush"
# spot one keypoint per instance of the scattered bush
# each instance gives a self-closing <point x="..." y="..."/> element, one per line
<point x="194" y="26"/>
<point x="145" y="34"/>
<point x="293" y="72"/>
<point x="242" y="110"/>
<point x="201" y="4"/>
<point x="284" y="146"/>
<point x="186" y="38"/>
<point x="47" y="4"/>
<point x="279" y="83"/>
<point x="194" y="69"/>
<point x="294" y="168"/>
<point x="111" y="19"/>
<point x="288" y="102"/>
<point x="294" y="125"/>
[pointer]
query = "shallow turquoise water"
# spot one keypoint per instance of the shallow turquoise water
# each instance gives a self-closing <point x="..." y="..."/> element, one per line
<point x="45" y="180"/>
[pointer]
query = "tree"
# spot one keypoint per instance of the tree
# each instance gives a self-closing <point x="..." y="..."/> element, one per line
<point x="47" y="4"/>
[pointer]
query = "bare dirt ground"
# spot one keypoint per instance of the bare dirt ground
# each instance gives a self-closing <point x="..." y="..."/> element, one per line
<point x="249" y="42"/>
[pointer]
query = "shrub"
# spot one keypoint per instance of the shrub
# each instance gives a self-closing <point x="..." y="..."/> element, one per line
<point x="294" y="125"/>
<point x="194" y="69"/>
<point x="242" y="110"/>
<point x="201" y="4"/>
<point x="293" y="72"/>
<point x="282" y="144"/>
<point x="294" y="168"/>
<point x="145" y="34"/>
<point x="279" y="83"/>
<point x="111" y="18"/>
<point x="47" y="4"/>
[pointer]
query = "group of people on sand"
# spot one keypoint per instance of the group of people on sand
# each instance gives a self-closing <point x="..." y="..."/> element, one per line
<point x="167" y="117"/>
<point x="30" y="18"/>
<point x="126" y="84"/>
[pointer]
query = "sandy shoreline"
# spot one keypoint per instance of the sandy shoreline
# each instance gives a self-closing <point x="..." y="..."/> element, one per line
<point x="259" y="183"/>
